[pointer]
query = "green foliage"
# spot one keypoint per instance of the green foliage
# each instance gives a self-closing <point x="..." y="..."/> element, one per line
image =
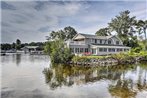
<point x="122" y="57"/>
<point x="126" y="28"/>
<point x="123" y="24"/>
<point x="18" y="44"/>
<point x="65" y="34"/>
<point x="142" y="27"/>
<point x="58" y="52"/>
<point x="87" y="58"/>
<point x="137" y="49"/>
<point x="5" y="46"/>
<point x="47" y="47"/>
<point x="13" y="46"/>
<point x="81" y="59"/>
<point x="103" y="32"/>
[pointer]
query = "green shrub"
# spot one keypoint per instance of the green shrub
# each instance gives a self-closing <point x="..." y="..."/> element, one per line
<point x="58" y="52"/>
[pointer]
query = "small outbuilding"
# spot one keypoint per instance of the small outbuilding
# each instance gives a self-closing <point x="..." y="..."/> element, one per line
<point x="31" y="49"/>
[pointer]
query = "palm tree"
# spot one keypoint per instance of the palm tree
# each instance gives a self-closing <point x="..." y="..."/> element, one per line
<point x="141" y="26"/>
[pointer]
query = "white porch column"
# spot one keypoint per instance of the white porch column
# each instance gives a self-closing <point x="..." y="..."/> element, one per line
<point x="97" y="51"/>
<point x="74" y="50"/>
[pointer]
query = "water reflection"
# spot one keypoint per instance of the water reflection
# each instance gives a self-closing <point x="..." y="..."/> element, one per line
<point x="18" y="59"/>
<point x="122" y="89"/>
<point x="28" y="81"/>
<point x="124" y="81"/>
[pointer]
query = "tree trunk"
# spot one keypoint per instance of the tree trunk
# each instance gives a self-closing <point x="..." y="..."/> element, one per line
<point x="145" y="39"/>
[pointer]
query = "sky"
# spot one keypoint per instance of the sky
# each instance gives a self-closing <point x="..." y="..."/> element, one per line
<point x="31" y="21"/>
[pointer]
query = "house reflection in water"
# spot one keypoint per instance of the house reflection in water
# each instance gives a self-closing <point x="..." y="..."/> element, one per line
<point x="119" y="85"/>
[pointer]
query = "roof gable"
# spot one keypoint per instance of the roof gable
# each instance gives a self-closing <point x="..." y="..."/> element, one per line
<point x="80" y="35"/>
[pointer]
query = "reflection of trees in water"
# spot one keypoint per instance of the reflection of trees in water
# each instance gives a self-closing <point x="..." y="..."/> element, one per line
<point x="128" y="88"/>
<point x="122" y="89"/>
<point x="142" y="82"/>
<point x="60" y="75"/>
<point x="18" y="59"/>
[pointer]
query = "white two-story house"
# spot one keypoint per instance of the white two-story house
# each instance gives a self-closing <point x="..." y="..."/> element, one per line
<point x="96" y="45"/>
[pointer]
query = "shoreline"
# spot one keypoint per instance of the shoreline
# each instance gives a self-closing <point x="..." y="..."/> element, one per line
<point x="116" y="59"/>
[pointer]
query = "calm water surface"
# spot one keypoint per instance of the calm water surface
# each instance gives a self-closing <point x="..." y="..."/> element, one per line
<point x="31" y="76"/>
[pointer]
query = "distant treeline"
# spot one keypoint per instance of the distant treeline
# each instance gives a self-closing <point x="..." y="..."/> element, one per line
<point x="18" y="45"/>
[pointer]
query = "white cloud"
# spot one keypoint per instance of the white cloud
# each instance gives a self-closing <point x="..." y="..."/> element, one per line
<point x="26" y="19"/>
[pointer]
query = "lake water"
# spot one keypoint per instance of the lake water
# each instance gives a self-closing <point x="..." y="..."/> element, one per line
<point x="32" y="76"/>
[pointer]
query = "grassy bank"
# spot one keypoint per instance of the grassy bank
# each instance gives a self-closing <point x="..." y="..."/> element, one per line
<point x="121" y="58"/>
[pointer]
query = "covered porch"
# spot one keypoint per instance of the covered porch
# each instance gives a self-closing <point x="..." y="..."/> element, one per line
<point x="105" y="50"/>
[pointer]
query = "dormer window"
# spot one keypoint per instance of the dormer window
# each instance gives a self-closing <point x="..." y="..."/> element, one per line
<point x="109" y="41"/>
<point x="117" y="42"/>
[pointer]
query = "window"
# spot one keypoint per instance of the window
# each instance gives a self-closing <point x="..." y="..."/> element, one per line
<point x="109" y="41"/>
<point x="100" y="41"/>
<point x="121" y="49"/>
<point x="111" y="49"/>
<point x="118" y="50"/>
<point x="117" y="42"/>
<point x="100" y="49"/>
<point x="86" y="49"/>
<point x="93" y="51"/>
<point x="95" y="40"/>
<point x="103" y="49"/>
<point x="76" y="50"/>
<point x="81" y="49"/>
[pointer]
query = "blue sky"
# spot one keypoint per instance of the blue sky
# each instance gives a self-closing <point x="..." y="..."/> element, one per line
<point x="33" y="20"/>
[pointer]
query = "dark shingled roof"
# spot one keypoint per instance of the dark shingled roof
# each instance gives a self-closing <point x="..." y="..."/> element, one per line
<point x="95" y="36"/>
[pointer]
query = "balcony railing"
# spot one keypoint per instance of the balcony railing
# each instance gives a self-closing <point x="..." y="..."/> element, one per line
<point x="77" y="43"/>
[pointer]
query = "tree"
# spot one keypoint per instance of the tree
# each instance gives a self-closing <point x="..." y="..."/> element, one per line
<point x="18" y="44"/>
<point x="58" y="52"/>
<point x="123" y="24"/>
<point x="53" y="34"/>
<point x="103" y="32"/>
<point x="13" y="46"/>
<point x="5" y="46"/>
<point x="70" y="32"/>
<point x="65" y="34"/>
<point x="141" y="26"/>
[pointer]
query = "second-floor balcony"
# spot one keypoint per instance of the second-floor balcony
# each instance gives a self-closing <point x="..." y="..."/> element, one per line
<point x="77" y="43"/>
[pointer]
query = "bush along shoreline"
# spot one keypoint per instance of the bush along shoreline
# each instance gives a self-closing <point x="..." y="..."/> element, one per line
<point x="114" y="59"/>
